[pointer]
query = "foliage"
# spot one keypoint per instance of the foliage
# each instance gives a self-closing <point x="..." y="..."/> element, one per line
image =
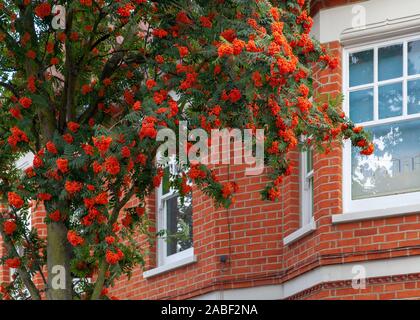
<point x="88" y="102"/>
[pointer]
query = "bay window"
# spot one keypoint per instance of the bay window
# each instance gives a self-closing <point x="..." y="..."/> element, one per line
<point x="382" y="90"/>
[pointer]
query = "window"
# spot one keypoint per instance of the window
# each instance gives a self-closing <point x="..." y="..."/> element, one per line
<point x="306" y="187"/>
<point x="306" y="194"/>
<point x="175" y="219"/>
<point x="382" y="87"/>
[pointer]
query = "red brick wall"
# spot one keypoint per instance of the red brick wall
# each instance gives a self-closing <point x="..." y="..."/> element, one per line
<point x="254" y="262"/>
<point x="38" y="216"/>
<point x="249" y="233"/>
<point x="290" y="197"/>
<point x="348" y="242"/>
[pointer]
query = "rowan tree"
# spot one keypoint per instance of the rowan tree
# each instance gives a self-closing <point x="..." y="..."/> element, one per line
<point x="86" y="85"/>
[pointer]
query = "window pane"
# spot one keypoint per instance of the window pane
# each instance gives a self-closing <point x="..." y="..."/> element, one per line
<point x="390" y="62"/>
<point x="413" y="97"/>
<point x="361" y="68"/>
<point x="390" y="100"/>
<point x="394" y="168"/>
<point x="309" y="161"/>
<point x="307" y="205"/>
<point x="361" y="105"/>
<point x="179" y="224"/>
<point x="414" y="57"/>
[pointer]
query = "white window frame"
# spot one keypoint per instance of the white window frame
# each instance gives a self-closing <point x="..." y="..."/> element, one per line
<point x="384" y="205"/>
<point x="306" y="190"/>
<point x="162" y="248"/>
<point x="163" y="258"/>
<point x="306" y="201"/>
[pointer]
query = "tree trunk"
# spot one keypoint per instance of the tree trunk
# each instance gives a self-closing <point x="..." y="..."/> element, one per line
<point x="103" y="267"/>
<point x="59" y="256"/>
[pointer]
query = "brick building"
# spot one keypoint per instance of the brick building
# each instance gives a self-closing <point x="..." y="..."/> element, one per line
<point x="346" y="226"/>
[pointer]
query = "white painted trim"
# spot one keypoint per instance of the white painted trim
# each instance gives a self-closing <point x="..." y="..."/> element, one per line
<point x="163" y="259"/>
<point x="170" y="266"/>
<point x="389" y="28"/>
<point x="376" y="214"/>
<point x="300" y="233"/>
<point x="333" y="24"/>
<point x="306" y="188"/>
<point x="270" y="292"/>
<point x="179" y="256"/>
<point x="338" y="272"/>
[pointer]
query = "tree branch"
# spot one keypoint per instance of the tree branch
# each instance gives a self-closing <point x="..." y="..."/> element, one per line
<point x="37" y="264"/>
<point x="109" y="68"/>
<point x="22" y="272"/>
<point x="70" y="79"/>
<point x="103" y="266"/>
<point x="10" y="87"/>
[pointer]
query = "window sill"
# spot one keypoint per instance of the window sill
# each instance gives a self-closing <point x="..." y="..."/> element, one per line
<point x="375" y="214"/>
<point x="169" y="267"/>
<point x="300" y="233"/>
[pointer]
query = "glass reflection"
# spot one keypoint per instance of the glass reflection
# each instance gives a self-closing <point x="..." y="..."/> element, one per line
<point x="390" y="100"/>
<point x="179" y="224"/>
<point x="414" y="57"/>
<point x="361" y="68"/>
<point x="390" y="60"/>
<point x="394" y="168"/>
<point x="413" y="97"/>
<point x="361" y="105"/>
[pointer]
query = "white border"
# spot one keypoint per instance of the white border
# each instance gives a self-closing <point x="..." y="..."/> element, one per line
<point x="300" y="233"/>
<point x="389" y="28"/>
<point x="375" y="214"/>
<point x="306" y="190"/>
<point x="163" y="258"/>
<point x="170" y="266"/>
